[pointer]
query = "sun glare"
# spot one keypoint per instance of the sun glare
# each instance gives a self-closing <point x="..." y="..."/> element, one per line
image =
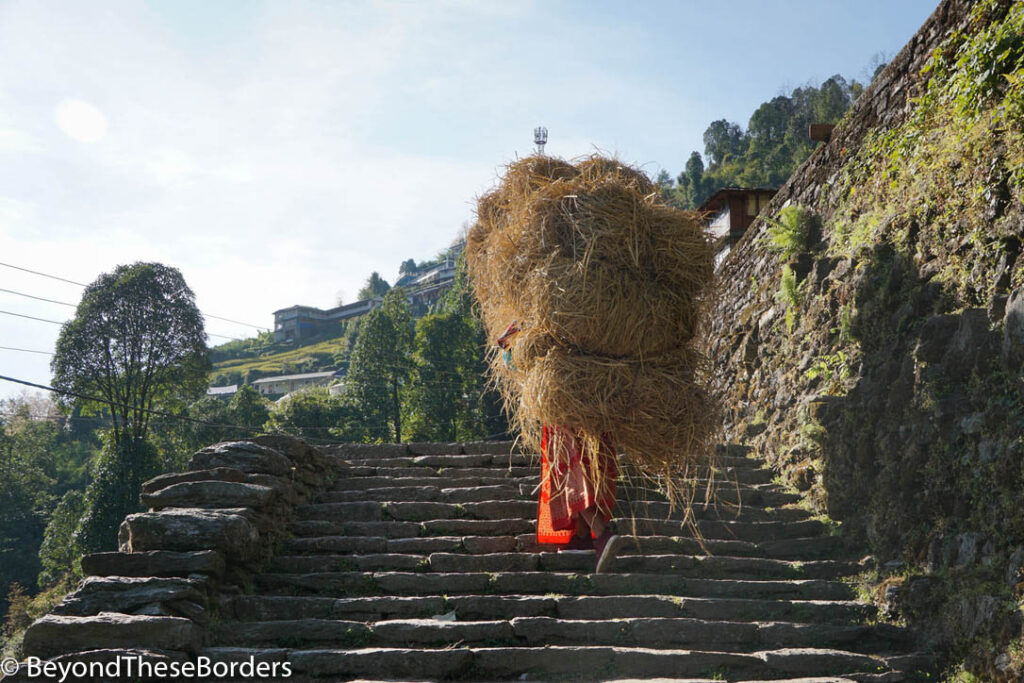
<point x="81" y="121"/>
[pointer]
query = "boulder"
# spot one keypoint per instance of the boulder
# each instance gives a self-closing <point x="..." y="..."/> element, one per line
<point x="216" y="474"/>
<point x="55" y="635"/>
<point x="153" y="563"/>
<point x="211" y="494"/>
<point x="186" y="529"/>
<point x="246" y="456"/>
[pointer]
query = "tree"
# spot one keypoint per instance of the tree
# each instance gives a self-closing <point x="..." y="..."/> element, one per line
<point x="440" y="354"/>
<point x="135" y="345"/>
<point x="378" y="375"/>
<point x="248" y="408"/>
<point x="722" y="140"/>
<point x="408" y="266"/>
<point x="59" y="553"/>
<point x="315" y="414"/>
<point x="375" y="286"/>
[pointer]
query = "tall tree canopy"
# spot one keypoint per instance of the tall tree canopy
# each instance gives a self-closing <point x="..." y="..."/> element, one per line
<point x="379" y="373"/>
<point x="375" y="286"/>
<point x="136" y="344"/>
<point x="773" y="145"/>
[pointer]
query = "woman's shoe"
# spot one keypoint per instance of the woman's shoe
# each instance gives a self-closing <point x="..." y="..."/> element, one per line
<point x="605" y="549"/>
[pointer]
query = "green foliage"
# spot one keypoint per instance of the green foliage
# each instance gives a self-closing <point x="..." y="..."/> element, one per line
<point x="378" y="377"/>
<point x="316" y="415"/>
<point x="790" y="234"/>
<point x="248" y="408"/>
<point x="60" y="553"/>
<point x="444" y="355"/>
<point x="114" y="492"/>
<point x="790" y="295"/>
<point x="774" y="144"/>
<point x="136" y="342"/>
<point x="332" y="354"/>
<point x="375" y="286"/>
<point x="833" y="370"/>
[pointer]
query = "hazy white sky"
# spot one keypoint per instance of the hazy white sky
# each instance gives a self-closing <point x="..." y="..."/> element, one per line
<point x="278" y="152"/>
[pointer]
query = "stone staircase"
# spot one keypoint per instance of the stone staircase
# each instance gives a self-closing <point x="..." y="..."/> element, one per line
<point x="426" y="567"/>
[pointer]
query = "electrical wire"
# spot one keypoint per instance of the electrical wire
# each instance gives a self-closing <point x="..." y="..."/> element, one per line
<point x="80" y="284"/>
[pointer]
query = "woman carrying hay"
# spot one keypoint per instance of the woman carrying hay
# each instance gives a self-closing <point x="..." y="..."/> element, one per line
<point x="577" y="491"/>
<point x="613" y="283"/>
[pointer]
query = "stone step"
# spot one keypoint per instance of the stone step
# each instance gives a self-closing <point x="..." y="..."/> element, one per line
<point x="627" y="506"/>
<point x="681" y="565"/>
<point x="458" y="466"/>
<point x="793" y="549"/>
<point x="494" y="663"/>
<point x="485" y="607"/>
<point x="732" y="636"/>
<point x="722" y="462"/>
<point x="342" y="584"/>
<point x="420" y="511"/>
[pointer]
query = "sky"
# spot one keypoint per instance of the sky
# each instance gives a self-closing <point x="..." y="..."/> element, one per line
<point x="279" y="152"/>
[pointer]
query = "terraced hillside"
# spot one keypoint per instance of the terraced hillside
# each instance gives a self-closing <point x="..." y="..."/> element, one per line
<point x="425" y="567"/>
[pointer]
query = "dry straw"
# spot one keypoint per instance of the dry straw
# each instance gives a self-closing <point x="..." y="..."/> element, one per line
<point x="610" y="286"/>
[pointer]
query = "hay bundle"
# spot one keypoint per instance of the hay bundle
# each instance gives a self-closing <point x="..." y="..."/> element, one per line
<point x="610" y="286"/>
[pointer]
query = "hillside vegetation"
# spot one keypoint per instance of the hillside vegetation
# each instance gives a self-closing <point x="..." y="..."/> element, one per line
<point x="878" y="358"/>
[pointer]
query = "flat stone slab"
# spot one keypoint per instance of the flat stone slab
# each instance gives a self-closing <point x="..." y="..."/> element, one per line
<point x="211" y="494"/>
<point x="187" y="529"/>
<point x="246" y="456"/>
<point x="54" y="635"/>
<point x="128" y="594"/>
<point x="153" y="563"/>
<point x="215" y="474"/>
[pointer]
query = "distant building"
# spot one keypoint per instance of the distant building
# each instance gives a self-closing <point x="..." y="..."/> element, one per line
<point x="273" y="387"/>
<point x="223" y="392"/>
<point x="424" y="287"/>
<point x="730" y="211"/>
<point x="302" y="322"/>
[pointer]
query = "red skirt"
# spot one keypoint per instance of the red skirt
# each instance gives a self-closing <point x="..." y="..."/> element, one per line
<point x="567" y="486"/>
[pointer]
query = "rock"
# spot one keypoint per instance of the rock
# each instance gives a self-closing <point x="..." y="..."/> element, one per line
<point x="803" y="477"/>
<point x="972" y="344"/>
<point x="211" y="494"/>
<point x="967" y="550"/>
<point x="55" y="635"/>
<point x="215" y="474"/>
<point x="934" y="338"/>
<point x="185" y="529"/>
<point x="1013" y="328"/>
<point x="1015" y="567"/>
<point x="128" y="594"/>
<point x="153" y="563"/>
<point x="246" y="456"/>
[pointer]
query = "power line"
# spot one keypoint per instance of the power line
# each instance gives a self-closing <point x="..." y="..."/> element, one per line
<point x="56" y="322"/>
<point x="12" y="348"/>
<point x="37" y="298"/>
<point x="80" y="284"/>
<point x="31" y="317"/>
<point x="36" y="272"/>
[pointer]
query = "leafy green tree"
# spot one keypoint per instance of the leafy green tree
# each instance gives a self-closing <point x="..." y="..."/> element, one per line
<point x="136" y="344"/>
<point x="248" y="408"/>
<point x="379" y="373"/>
<point x="442" y="349"/>
<point x="375" y="286"/>
<point x="482" y="414"/>
<point x="408" y="266"/>
<point x="24" y="504"/>
<point x="316" y="415"/>
<point x="722" y="140"/>
<point x="59" y="554"/>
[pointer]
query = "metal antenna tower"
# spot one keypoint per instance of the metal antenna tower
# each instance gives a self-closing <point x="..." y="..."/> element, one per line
<point x="540" y="138"/>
